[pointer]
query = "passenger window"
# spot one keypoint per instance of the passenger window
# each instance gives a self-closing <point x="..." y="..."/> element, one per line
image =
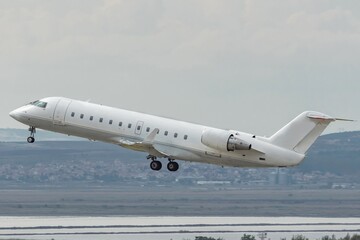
<point x="91" y="118"/>
<point x="101" y="120"/>
<point x="110" y="122"/>
<point x="147" y="129"/>
<point x="166" y="133"/>
<point x="129" y="125"/>
<point x="73" y="114"/>
<point x="81" y="116"/>
<point x="175" y="135"/>
<point x="120" y="124"/>
<point x="185" y="137"/>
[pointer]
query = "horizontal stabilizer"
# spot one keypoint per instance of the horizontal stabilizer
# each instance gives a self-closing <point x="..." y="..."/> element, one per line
<point x="344" y="119"/>
<point x="321" y="116"/>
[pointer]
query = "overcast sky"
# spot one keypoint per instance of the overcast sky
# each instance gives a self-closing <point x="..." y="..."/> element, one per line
<point x="245" y="65"/>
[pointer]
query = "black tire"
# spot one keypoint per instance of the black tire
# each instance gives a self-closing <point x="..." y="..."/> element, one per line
<point x="30" y="139"/>
<point x="155" y="165"/>
<point x="173" y="166"/>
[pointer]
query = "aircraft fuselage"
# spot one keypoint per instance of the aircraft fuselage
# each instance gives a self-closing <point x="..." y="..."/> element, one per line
<point x="158" y="136"/>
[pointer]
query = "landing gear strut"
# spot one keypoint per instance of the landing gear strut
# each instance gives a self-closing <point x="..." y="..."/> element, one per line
<point x="31" y="139"/>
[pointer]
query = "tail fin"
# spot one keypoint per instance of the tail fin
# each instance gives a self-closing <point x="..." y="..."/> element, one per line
<point x="301" y="133"/>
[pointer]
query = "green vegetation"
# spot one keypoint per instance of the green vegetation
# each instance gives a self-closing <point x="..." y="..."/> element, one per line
<point x="299" y="237"/>
<point x="248" y="237"/>
<point x="207" y="238"/>
<point x="295" y="237"/>
<point x="252" y="237"/>
<point x="348" y="237"/>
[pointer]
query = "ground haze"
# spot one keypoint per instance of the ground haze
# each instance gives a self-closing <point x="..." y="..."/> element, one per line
<point x="178" y="201"/>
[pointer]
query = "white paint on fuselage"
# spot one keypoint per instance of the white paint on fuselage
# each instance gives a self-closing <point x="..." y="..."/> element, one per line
<point x="189" y="149"/>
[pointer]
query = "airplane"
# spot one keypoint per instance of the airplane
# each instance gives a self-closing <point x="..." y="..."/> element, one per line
<point x="172" y="139"/>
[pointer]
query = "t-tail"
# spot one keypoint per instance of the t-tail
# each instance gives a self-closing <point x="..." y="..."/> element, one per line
<point x="299" y="134"/>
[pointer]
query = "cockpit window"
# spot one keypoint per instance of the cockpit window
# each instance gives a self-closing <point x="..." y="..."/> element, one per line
<point x="40" y="104"/>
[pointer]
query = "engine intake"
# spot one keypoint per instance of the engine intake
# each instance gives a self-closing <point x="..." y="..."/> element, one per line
<point x="223" y="140"/>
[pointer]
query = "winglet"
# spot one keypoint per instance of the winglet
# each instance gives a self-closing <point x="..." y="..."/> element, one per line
<point x="150" y="138"/>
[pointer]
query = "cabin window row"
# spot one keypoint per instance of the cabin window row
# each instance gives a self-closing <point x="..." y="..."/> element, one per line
<point x="166" y="133"/>
<point x="91" y="118"/>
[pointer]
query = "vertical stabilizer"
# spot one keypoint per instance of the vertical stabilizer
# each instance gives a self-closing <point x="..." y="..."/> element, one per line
<point x="301" y="133"/>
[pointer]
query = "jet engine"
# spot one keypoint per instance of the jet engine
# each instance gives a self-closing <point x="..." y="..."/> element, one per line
<point x="223" y="140"/>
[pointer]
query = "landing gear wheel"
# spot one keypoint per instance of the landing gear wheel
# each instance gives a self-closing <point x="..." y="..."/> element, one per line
<point x="155" y="165"/>
<point x="172" y="166"/>
<point x="30" y="139"/>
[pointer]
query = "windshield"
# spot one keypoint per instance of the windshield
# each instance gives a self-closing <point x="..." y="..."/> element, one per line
<point x="39" y="104"/>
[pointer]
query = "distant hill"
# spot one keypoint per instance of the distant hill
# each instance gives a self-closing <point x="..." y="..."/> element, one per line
<point x="337" y="153"/>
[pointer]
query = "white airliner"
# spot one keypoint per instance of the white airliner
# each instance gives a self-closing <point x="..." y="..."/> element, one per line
<point x="171" y="139"/>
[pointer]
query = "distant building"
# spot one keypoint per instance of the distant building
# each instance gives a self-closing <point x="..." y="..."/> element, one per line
<point x="213" y="182"/>
<point x="279" y="177"/>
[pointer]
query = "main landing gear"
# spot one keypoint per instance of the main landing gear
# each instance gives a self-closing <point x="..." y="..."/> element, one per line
<point x="31" y="139"/>
<point x="172" y="166"/>
<point x="156" y="165"/>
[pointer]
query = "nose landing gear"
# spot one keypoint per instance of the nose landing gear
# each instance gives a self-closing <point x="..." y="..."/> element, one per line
<point x="31" y="139"/>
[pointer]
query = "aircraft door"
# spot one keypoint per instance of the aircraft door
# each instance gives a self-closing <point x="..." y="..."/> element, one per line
<point x="60" y="111"/>
<point x="139" y="126"/>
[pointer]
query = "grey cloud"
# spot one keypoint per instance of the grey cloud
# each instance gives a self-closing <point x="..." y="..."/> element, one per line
<point x="247" y="65"/>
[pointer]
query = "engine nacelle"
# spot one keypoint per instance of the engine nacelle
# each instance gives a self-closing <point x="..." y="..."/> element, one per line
<point x="223" y="140"/>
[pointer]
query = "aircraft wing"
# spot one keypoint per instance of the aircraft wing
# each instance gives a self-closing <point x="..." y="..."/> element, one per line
<point x="147" y="145"/>
<point x="148" y="141"/>
<point x="175" y="152"/>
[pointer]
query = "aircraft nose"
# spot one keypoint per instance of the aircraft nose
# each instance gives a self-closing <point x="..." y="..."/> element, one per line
<point x="15" y="114"/>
